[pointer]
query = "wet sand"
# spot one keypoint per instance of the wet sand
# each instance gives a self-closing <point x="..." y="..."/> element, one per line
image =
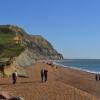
<point x="62" y="84"/>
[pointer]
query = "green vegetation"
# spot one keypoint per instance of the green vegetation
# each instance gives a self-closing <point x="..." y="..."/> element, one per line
<point x="42" y="42"/>
<point x="15" y="50"/>
<point x="8" y="47"/>
<point x="6" y="38"/>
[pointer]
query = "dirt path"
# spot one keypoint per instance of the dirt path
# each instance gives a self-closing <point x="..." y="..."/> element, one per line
<point x="54" y="89"/>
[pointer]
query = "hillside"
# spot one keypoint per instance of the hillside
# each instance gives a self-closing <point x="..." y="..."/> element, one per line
<point x="23" y="47"/>
<point x="7" y="46"/>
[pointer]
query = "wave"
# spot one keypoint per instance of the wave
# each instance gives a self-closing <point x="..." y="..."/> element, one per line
<point x="76" y="68"/>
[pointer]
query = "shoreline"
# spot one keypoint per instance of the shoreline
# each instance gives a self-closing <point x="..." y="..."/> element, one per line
<point x="79" y="79"/>
<point x="75" y="68"/>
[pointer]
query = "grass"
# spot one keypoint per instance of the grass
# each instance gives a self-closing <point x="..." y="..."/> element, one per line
<point x="11" y="52"/>
<point x="6" y="38"/>
<point x="8" y="46"/>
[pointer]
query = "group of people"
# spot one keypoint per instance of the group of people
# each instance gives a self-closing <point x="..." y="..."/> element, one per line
<point x="97" y="77"/>
<point x="44" y="75"/>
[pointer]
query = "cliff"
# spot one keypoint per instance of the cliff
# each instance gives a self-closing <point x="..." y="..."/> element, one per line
<point x="23" y="47"/>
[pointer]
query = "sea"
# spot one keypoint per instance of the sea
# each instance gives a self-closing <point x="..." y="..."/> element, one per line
<point x="88" y="65"/>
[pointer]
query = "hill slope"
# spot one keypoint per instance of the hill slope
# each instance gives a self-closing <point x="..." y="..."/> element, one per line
<point x="15" y="42"/>
<point x="7" y="46"/>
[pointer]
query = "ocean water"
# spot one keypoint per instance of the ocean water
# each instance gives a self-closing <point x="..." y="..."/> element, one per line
<point x="89" y="65"/>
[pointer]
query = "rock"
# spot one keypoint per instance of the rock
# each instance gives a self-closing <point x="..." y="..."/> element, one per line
<point x="25" y="59"/>
<point x="15" y="98"/>
<point x="6" y="96"/>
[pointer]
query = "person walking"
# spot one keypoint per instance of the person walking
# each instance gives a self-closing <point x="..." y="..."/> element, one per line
<point x="14" y="77"/>
<point x="99" y="77"/>
<point x="42" y="75"/>
<point x="45" y="74"/>
<point x="96" y="77"/>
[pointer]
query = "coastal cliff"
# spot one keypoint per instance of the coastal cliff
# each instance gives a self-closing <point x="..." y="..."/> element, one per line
<point x="23" y="47"/>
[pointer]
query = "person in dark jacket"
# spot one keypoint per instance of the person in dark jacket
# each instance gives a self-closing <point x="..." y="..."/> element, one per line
<point x="96" y="77"/>
<point x="14" y="77"/>
<point x="45" y="74"/>
<point x="42" y="74"/>
<point x="99" y="77"/>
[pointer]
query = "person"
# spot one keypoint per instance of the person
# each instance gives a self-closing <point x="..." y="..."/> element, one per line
<point x="99" y="77"/>
<point x="96" y="77"/>
<point x="42" y="74"/>
<point x="45" y="74"/>
<point x="14" y="77"/>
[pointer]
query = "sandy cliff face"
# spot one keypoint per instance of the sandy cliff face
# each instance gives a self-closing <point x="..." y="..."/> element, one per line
<point x="26" y="58"/>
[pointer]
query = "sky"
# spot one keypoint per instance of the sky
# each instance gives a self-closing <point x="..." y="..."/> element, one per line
<point x="72" y="26"/>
